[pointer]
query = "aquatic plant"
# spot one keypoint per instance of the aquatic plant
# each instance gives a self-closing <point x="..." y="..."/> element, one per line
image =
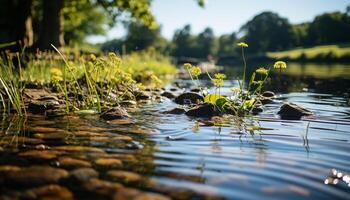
<point x="11" y="85"/>
<point x="244" y="98"/>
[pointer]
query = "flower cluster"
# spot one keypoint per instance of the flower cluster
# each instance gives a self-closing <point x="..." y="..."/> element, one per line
<point x="196" y="71"/>
<point x="262" y="71"/>
<point x="242" y="44"/>
<point x="218" y="81"/>
<point x="280" y="65"/>
<point x="56" y="74"/>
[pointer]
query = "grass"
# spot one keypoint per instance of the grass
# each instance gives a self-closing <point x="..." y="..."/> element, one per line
<point x="323" y="52"/>
<point x="90" y="79"/>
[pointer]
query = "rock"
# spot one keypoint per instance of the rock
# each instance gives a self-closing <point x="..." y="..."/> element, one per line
<point x="266" y="100"/>
<point x="257" y="110"/>
<point x="206" y="110"/>
<point x="120" y="121"/>
<point x="82" y="175"/>
<point x="39" y="155"/>
<point x="37" y="107"/>
<point x="293" y="111"/>
<point x="72" y="163"/>
<point x="168" y="95"/>
<point x="124" y="176"/>
<point x="114" y="113"/>
<point x="175" y="111"/>
<point x="52" y="192"/>
<point x="189" y="98"/>
<point x="39" y="129"/>
<point x="128" y="103"/>
<point x="108" y="162"/>
<point x="173" y="89"/>
<point x="196" y="90"/>
<point x="50" y="136"/>
<point x="35" y="175"/>
<point x="78" y="149"/>
<point x="134" y="194"/>
<point x="101" y="187"/>
<point x="142" y="95"/>
<point x="268" y="94"/>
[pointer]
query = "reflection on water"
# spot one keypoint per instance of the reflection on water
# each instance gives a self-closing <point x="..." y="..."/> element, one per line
<point x="252" y="158"/>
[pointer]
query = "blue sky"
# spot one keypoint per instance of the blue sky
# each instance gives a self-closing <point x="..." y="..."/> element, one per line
<point x="227" y="16"/>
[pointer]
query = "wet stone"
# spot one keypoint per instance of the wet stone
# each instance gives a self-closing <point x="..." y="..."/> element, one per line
<point x="78" y="149"/>
<point x="142" y="95"/>
<point x="101" y="187"/>
<point x="108" y="162"/>
<point x="268" y="94"/>
<point x="114" y="113"/>
<point x="121" y="122"/>
<point x="50" y="136"/>
<point x="35" y="175"/>
<point x="40" y="155"/>
<point x="205" y="110"/>
<point x="266" y="100"/>
<point x="169" y="95"/>
<point x="82" y="175"/>
<point x="293" y="111"/>
<point x="175" y="111"/>
<point x="52" y="192"/>
<point x="134" y="194"/>
<point x="72" y="163"/>
<point x="37" y="107"/>
<point x="189" y="98"/>
<point x="40" y="129"/>
<point x="128" y="103"/>
<point x="124" y="176"/>
<point x="257" y="110"/>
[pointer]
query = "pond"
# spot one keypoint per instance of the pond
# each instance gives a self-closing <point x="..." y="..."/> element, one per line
<point x="157" y="155"/>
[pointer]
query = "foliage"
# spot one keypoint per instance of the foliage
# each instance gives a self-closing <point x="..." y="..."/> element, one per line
<point x="243" y="99"/>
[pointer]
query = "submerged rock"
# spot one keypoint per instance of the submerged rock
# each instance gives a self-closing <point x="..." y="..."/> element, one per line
<point x="169" y="95"/>
<point x="108" y="162"/>
<point x="36" y="175"/>
<point x="82" y="175"/>
<point x="293" y="111"/>
<point x="203" y="110"/>
<point x="72" y="163"/>
<point x="101" y="187"/>
<point x="268" y="94"/>
<point x="48" y="192"/>
<point x="115" y="113"/>
<point x="257" y="110"/>
<point x="124" y="176"/>
<point x="175" y="111"/>
<point x="134" y="194"/>
<point x="266" y="100"/>
<point x="189" y="98"/>
<point x="37" y="107"/>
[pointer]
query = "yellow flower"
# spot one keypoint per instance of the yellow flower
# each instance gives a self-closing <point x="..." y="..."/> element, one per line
<point x="188" y="65"/>
<point x="92" y="57"/>
<point x="140" y="86"/>
<point x="56" y="74"/>
<point x="280" y="65"/>
<point x="196" y="71"/>
<point x="218" y="82"/>
<point x="220" y="76"/>
<point x="156" y="80"/>
<point x="235" y="90"/>
<point x="262" y="71"/>
<point x="242" y="44"/>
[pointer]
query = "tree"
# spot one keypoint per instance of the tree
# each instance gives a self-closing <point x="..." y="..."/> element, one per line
<point x="207" y="44"/>
<point x="184" y="42"/>
<point x="268" y="32"/>
<point x="227" y="45"/>
<point x="330" y="28"/>
<point x="16" y="22"/>
<point x="140" y="37"/>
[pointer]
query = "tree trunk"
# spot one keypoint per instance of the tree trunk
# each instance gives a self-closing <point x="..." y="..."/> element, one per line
<point x="16" y="23"/>
<point x="24" y="30"/>
<point x="51" y="25"/>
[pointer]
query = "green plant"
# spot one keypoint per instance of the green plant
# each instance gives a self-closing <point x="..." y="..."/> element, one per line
<point x="11" y="85"/>
<point x="244" y="98"/>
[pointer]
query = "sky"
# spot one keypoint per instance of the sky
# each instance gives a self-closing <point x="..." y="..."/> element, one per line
<point x="226" y="16"/>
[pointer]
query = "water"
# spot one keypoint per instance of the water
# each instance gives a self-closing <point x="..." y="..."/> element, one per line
<point x="263" y="157"/>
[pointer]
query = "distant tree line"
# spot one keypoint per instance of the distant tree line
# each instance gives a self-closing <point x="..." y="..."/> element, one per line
<point x="265" y="32"/>
<point x="37" y="24"/>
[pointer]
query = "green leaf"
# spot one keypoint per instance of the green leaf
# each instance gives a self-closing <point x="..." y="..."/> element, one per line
<point x="221" y="102"/>
<point x="212" y="98"/>
<point x="249" y="103"/>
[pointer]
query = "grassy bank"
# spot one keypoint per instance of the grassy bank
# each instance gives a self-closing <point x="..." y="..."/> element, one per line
<point x="324" y="53"/>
